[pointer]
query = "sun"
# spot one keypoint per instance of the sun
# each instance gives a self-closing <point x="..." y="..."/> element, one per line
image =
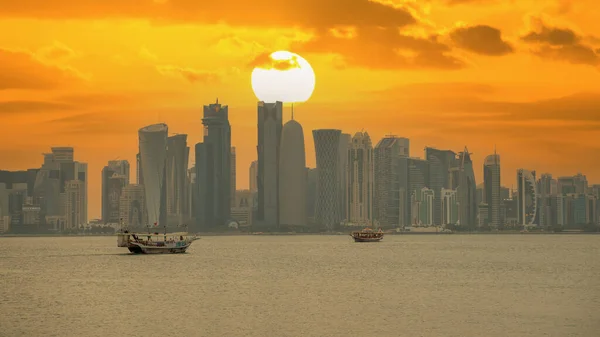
<point x="283" y="76"/>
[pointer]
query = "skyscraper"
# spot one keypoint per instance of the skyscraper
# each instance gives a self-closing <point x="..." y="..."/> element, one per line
<point x="292" y="177"/>
<point x="449" y="207"/>
<point x="345" y="140"/>
<point x="360" y="180"/>
<point x="114" y="167"/>
<point x="467" y="191"/>
<point x="253" y="176"/>
<point x="544" y="188"/>
<point x="132" y="206"/>
<point x="233" y="175"/>
<point x="440" y="163"/>
<point x="213" y="177"/>
<point x="491" y="181"/>
<point x="389" y="179"/>
<point x="527" y="197"/>
<point x="153" y="155"/>
<point x="327" y="145"/>
<point x="269" y="140"/>
<point x="177" y="164"/>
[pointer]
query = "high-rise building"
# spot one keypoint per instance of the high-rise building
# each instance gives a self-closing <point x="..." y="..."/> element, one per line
<point x="449" y="207"/>
<point x="213" y="177"/>
<point x="153" y="154"/>
<point x="233" y="175"/>
<point x="345" y="140"/>
<point x="491" y="181"/>
<point x="139" y="171"/>
<point x="73" y="204"/>
<point x="292" y="177"/>
<point x="114" y="167"/>
<point x="467" y="190"/>
<point x="269" y="139"/>
<point x="241" y="209"/>
<point x="360" y="180"/>
<point x="177" y="165"/>
<point x="253" y="176"/>
<point x="327" y="145"/>
<point x="440" y="164"/>
<point x="115" y="187"/>
<point x="573" y="184"/>
<point x="425" y="207"/>
<point x="527" y="197"/>
<point x="62" y="154"/>
<point x="132" y="206"/>
<point x="312" y="178"/>
<point x="544" y="190"/>
<point x="391" y="182"/>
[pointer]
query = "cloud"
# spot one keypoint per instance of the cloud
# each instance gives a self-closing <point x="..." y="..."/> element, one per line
<point x="561" y="44"/>
<point x="306" y="13"/>
<point x="266" y="61"/>
<point x="24" y="70"/>
<point x="481" y="39"/>
<point x="56" y="52"/>
<point x="383" y="48"/>
<point x="189" y="74"/>
<point x="23" y="107"/>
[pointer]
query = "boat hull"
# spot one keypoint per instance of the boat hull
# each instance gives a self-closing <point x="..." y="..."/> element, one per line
<point x="356" y="239"/>
<point x="142" y="249"/>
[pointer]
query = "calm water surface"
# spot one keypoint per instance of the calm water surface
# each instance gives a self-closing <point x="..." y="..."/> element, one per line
<point x="455" y="285"/>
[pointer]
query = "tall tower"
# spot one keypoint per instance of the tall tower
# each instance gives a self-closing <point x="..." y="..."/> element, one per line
<point x="232" y="172"/>
<point x="177" y="163"/>
<point x="253" y="172"/>
<point x="440" y="164"/>
<point x="153" y="154"/>
<point x="527" y="197"/>
<point x="345" y="140"/>
<point x="213" y="177"/>
<point x="467" y="190"/>
<point x="491" y="181"/>
<point x="327" y="145"/>
<point x="292" y="177"/>
<point x="269" y="139"/>
<point x="360" y="180"/>
<point x="387" y="210"/>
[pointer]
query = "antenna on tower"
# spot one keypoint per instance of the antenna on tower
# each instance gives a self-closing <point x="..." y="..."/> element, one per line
<point x="292" y="111"/>
<point x="217" y="100"/>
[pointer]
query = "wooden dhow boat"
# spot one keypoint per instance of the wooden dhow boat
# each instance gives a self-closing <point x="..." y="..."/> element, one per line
<point x="155" y="243"/>
<point x="367" y="235"/>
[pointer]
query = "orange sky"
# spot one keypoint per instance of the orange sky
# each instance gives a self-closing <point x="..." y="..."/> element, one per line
<point x="523" y="75"/>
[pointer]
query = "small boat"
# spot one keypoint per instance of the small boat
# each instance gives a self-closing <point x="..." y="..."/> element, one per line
<point x="367" y="235"/>
<point x="155" y="243"/>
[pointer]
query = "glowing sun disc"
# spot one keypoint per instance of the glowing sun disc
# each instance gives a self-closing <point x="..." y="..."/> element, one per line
<point x="283" y="76"/>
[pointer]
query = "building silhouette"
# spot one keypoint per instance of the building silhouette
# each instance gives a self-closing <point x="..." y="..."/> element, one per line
<point x="359" y="176"/>
<point x="292" y="177"/>
<point x="491" y="182"/>
<point x="153" y="157"/>
<point x="345" y="140"/>
<point x="132" y="206"/>
<point x="213" y="177"/>
<point x="449" y="207"/>
<point x="232" y="172"/>
<point x="327" y="209"/>
<point x="269" y="140"/>
<point x="463" y="180"/>
<point x="253" y="172"/>
<point x="440" y="164"/>
<point x="177" y="163"/>
<point x="390" y="181"/>
<point x="527" y="197"/>
<point x="120" y="168"/>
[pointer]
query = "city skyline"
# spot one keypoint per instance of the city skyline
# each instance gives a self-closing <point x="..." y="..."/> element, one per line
<point x="467" y="73"/>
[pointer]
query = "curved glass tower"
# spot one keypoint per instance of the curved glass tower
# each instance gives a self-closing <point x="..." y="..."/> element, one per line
<point x="527" y="199"/>
<point x="153" y="154"/>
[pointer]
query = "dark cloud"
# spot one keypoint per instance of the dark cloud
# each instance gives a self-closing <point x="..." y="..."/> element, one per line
<point x="266" y="61"/>
<point x="305" y="13"/>
<point x="26" y="107"/>
<point x="189" y="74"/>
<point x="383" y="48"/>
<point x="561" y="44"/>
<point x="22" y="70"/>
<point x="481" y="39"/>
